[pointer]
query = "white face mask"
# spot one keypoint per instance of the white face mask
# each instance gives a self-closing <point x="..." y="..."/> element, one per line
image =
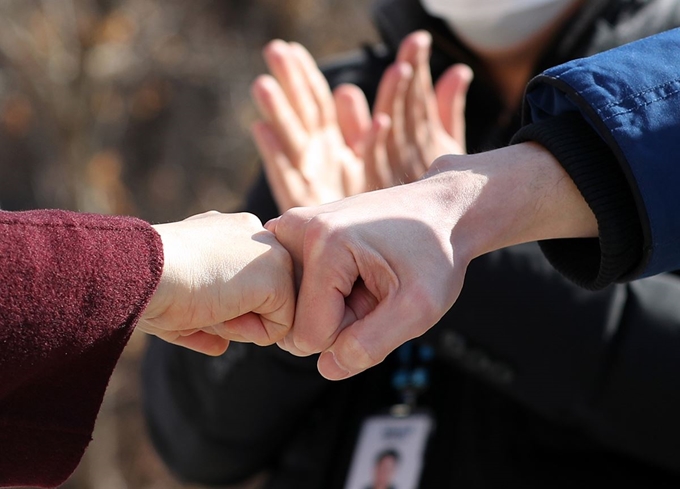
<point x="496" y="25"/>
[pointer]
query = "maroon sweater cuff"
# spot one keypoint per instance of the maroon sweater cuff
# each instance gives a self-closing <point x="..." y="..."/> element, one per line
<point x="72" y="288"/>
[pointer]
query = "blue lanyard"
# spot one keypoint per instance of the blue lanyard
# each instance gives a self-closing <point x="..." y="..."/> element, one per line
<point x="412" y="376"/>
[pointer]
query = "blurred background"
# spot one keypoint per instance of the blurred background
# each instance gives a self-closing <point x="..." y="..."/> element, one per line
<point x="142" y="107"/>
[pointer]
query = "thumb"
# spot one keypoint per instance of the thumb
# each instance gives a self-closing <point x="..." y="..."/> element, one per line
<point x="368" y="341"/>
<point x="270" y="225"/>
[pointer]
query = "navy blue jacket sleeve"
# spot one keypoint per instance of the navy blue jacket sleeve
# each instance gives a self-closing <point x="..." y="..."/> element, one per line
<point x="630" y="97"/>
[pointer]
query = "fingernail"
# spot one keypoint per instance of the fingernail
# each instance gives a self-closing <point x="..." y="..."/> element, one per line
<point x="330" y="368"/>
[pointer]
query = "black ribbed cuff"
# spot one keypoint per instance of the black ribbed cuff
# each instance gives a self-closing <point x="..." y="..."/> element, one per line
<point x="591" y="263"/>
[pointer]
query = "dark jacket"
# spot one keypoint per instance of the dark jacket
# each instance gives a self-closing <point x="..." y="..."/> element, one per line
<point x="629" y="98"/>
<point x="535" y="382"/>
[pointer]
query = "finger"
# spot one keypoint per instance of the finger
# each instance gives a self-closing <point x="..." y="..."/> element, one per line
<point x="360" y="302"/>
<point x="378" y="171"/>
<point x="409" y="49"/>
<point x="282" y="344"/>
<point x="422" y="87"/>
<point x="284" y="65"/>
<point x="391" y="100"/>
<point x="393" y="85"/>
<point x="354" y="116"/>
<point x="415" y="50"/>
<point x="276" y="109"/>
<point x="368" y="341"/>
<point x="277" y="313"/>
<point x="325" y="282"/>
<point x="321" y="310"/>
<point x="252" y="328"/>
<point x="289" y="229"/>
<point x="319" y="89"/>
<point x="354" y="121"/>
<point x="288" y="344"/>
<point x="202" y="342"/>
<point x="421" y="112"/>
<point x="271" y="224"/>
<point x="286" y="181"/>
<point x="451" y="91"/>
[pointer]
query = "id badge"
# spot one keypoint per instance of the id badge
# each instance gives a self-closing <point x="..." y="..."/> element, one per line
<point x="389" y="452"/>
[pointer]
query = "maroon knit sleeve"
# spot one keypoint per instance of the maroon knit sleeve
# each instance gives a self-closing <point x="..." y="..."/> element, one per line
<point x="72" y="287"/>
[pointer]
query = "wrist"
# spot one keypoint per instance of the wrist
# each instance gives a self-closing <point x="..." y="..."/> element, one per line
<point x="157" y="303"/>
<point x="510" y="196"/>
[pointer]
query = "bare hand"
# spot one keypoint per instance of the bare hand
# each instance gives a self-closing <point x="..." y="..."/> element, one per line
<point x="381" y="268"/>
<point x="414" y="123"/>
<point x="378" y="269"/>
<point x="306" y="157"/>
<point x="224" y="278"/>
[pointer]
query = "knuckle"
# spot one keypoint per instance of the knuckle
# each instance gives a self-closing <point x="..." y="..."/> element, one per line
<point x="249" y="220"/>
<point x="202" y="215"/>
<point x="321" y="232"/>
<point x="290" y="218"/>
<point x="429" y="303"/>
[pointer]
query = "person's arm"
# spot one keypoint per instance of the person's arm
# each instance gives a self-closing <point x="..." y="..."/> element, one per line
<point x="382" y="267"/>
<point x="628" y="97"/>
<point x="590" y="163"/>
<point x="73" y="288"/>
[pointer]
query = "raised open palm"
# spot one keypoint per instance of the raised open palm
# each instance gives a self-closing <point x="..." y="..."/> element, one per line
<point x="308" y="159"/>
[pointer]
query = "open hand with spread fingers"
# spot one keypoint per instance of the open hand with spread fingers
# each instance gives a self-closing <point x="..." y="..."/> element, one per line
<point x="311" y="150"/>
<point x="414" y="122"/>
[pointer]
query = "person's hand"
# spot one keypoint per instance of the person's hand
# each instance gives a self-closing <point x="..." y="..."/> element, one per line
<point x="415" y="123"/>
<point x="309" y="148"/>
<point x="319" y="146"/>
<point x="380" y="268"/>
<point x="377" y="270"/>
<point x="224" y="278"/>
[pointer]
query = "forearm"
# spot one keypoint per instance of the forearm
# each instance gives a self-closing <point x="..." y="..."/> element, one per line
<point x="591" y="164"/>
<point x="510" y="196"/>
<point x="629" y="96"/>
<point x="413" y="243"/>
